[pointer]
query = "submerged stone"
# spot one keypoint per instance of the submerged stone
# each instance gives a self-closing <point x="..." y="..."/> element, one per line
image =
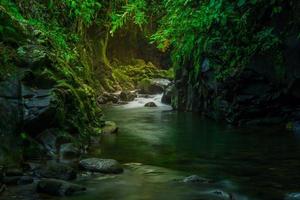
<point x="17" y="180"/>
<point x="58" y="187"/>
<point x="109" y="166"/>
<point x="195" y="179"/>
<point x="110" y="127"/>
<point x="57" y="171"/>
<point x="150" y="104"/>
<point x="127" y="96"/>
<point x="292" y="196"/>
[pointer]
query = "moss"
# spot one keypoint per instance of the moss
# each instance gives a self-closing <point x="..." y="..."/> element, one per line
<point x="144" y="84"/>
<point x="129" y="76"/>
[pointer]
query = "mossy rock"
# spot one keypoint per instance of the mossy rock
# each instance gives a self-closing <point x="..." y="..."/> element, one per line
<point x="110" y="127"/>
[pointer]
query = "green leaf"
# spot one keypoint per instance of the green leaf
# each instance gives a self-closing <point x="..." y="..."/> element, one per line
<point x="241" y="3"/>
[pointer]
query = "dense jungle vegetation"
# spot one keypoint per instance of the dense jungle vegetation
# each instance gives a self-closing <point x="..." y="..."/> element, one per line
<point x="63" y="61"/>
<point x="229" y="33"/>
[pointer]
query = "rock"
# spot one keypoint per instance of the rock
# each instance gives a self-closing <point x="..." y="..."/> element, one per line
<point x="106" y="98"/>
<point x="292" y="196"/>
<point x="110" y="127"/>
<point x="168" y="94"/>
<point x="218" y="194"/>
<point x="11" y="118"/>
<point x="33" y="56"/>
<point x="150" y="104"/>
<point x="48" y="139"/>
<point x="57" y="171"/>
<point x="58" y="187"/>
<point x="69" y="151"/>
<point x="12" y="180"/>
<point x="1" y="173"/>
<point x="101" y="165"/>
<point x="14" y="172"/>
<point x="2" y="188"/>
<point x="127" y="96"/>
<point x="39" y="110"/>
<point x="17" y="180"/>
<point x="25" y="180"/>
<point x="195" y="179"/>
<point x="153" y="86"/>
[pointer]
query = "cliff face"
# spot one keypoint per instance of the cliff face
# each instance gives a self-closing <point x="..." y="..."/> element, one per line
<point x="261" y="93"/>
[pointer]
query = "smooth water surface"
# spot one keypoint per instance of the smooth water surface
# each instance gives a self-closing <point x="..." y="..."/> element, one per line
<point x="159" y="147"/>
<point x="262" y="163"/>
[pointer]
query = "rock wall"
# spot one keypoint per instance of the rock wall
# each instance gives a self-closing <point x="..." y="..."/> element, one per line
<point x="262" y="93"/>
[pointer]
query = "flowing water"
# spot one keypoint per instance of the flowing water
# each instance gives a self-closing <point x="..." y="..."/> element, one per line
<point x="260" y="163"/>
<point x="159" y="147"/>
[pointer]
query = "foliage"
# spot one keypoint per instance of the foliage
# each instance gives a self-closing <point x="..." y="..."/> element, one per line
<point x="134" y="9"/>
<point x="128" y="77"/>
<point x="40" y="23"/>
<point x="84" y="10"/>
<point x="227" y="32"/>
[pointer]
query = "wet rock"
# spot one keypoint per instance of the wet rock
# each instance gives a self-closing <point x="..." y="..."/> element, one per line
<point x="14" y="172"/>
<point x="25" y="180"/>
<point x="292" y="196"/>
<point x="219" y="195"/>
<point x="101" y="165"/>
<point x="153" y="86"/>
<point x="168" y="94"/>
<point x="58" y="187"/>
<point x="1" y="173"/>
<point x="57" y="171"/>
<point x="11" y="117"/>
<point x="127" y="96"/>
<point x="48" y="139"/>
<point x="110" y="127"/>
<point x="69" y="151"/>
<point x="150" y="104"/>
<point x="106" y="98"/>
<point x="2" y="187"/>
<point x="17" y="180"/>
<point x="39" y="109"/>
<point x="195" y="179"/>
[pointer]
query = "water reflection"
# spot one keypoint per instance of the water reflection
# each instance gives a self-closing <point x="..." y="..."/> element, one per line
<point x="263" y="163"/>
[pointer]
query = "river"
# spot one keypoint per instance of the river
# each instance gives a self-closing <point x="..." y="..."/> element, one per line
<point x="253" y="163"/>
<point x="159" y="147"/>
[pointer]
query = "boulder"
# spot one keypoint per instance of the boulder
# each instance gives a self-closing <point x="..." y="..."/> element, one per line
<point x="168" y="94"/>
<point x="57" y="171"/>
<point x="48" y="139"/>
<point x="127" y="96"/>
<point x="17" y="180"/>
<point x="2" y="187"/>
<point x="153" y="86"/>
<point x="11" y="119"/>
<point x="69" y="151"/>
<point x="110" y="127"/>
<point x="150" y="104"/>
<point x="293" y="196"/>
<point x="223" y="195"/>
<point x="195" y="179"/>
<point x="14" y="172"/>
<point x="39" y="109"/>
<point x="106" y="98"/>
<point x="58" y="187"/>
<point x="109" y="166"/>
